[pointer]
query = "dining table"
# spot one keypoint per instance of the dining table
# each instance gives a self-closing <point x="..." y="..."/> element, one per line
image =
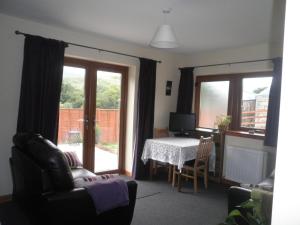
<point x="175" y="151"/>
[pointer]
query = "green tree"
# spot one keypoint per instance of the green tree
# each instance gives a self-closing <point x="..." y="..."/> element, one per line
<point x="108" y="95"/>
<point x="71" y="97"/>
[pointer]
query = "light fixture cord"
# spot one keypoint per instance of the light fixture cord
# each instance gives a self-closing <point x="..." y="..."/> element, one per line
<point x="166" y="12"/>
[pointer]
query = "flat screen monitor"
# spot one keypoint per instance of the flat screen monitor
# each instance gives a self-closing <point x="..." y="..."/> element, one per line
<point x="182" y="122"/>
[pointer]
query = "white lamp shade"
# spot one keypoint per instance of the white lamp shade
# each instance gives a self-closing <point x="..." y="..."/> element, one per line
<point x="164" y="37"/>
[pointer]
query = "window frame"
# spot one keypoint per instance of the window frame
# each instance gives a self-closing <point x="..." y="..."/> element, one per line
<point x="208" y="78"/>
<point x="234" y="101"/>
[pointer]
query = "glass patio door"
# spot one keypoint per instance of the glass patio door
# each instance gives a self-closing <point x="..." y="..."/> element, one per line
<point x="107" y="122"/>
<point x="71" y="112"/>
<point x="92" y="114"/>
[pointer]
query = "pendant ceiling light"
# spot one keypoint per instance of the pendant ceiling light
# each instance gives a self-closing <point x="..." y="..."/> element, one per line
<point x="164" y="36"/>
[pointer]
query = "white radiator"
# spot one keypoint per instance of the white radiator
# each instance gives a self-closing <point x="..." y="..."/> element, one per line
<point x="244" y="165"/>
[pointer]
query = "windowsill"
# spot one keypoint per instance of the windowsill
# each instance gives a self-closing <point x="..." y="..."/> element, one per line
<point x="245" y="134"/>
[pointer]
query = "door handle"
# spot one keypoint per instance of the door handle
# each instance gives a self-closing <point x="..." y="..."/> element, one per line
<point x="86" y="123"/>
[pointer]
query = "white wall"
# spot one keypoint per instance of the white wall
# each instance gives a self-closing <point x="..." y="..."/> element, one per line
<point x="260" y="51"/>
<point x="11" y="57"/>
<point x="286" y="190"/>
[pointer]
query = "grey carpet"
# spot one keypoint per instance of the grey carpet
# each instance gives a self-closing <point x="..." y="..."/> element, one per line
<point x="166" y="206"/>
<point x="158" y="204"/>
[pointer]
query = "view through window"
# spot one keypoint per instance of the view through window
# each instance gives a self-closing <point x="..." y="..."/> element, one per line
<point x="71" y="112"/>
<point x="91" y="115"/>
<point x="107" y="127"/>
<point x="255" y="99"/>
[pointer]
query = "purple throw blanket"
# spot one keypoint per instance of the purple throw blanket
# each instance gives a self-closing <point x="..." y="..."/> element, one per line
<point x="108" y="194"/>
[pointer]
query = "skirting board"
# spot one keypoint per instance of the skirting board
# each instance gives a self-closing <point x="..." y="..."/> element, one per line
<point x="5" y="198"/>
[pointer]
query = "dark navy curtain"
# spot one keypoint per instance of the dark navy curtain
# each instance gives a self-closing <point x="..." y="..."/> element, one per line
<point x="274" y="105"/>
<point x="41" y="86"/>
<point x="235" y="91"/>
<point x="145" y="114"/>
<point x="185" y="90"/>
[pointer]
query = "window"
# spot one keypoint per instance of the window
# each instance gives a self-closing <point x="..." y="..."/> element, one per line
<point x="212" y="92"/>
<point x="255" y="99"/>
<point x="243" y="96"/>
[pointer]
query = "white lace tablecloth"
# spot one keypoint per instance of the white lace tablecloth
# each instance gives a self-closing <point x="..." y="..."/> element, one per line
<point x="175" y="151"/>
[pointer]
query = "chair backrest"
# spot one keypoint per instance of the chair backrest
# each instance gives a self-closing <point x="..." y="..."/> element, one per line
<point x="161" y="132"/>
<point x="204" y="148"/>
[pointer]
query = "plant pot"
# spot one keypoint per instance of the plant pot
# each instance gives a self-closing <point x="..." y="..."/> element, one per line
<point x="222" y="128"/>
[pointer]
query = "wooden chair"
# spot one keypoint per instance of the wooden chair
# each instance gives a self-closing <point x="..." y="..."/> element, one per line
<point x="199" y="166"/>
<point x="160" y="133"/>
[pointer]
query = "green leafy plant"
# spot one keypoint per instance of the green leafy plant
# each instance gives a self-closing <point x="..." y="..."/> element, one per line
<point x="248" y="213"/>
<point x="223" y="121"/>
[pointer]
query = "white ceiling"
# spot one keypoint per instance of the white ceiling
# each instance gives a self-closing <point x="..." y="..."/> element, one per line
<point x="199" y="25"/>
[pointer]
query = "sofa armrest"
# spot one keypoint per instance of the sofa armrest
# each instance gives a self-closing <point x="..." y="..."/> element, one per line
<point x="76" y="207"/>
<point x="68" y="207"/>
<point x="121" y="215"/>
<point x="236" y="196"/>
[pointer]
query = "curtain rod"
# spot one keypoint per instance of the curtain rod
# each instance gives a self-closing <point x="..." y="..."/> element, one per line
<point x="222" y="64"/>
<point x="85" y="46"/>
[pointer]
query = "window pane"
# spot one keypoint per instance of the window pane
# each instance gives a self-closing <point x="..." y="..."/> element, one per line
<point x="255" y="101"/>
<point x="213" y="102"/>
<point x="71" y="116"/>
<point x="107" y="127"/>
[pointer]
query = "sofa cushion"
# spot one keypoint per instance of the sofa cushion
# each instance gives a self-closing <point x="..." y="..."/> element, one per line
<point x="80" y="173"/>
<point x="91" y="180"/>
<point x="73" y="160"/>
<point x="52" y="160"/>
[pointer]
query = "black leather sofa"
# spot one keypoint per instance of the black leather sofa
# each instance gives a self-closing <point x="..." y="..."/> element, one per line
<point x="43" y="186"/>
<point x="237" y="195"/>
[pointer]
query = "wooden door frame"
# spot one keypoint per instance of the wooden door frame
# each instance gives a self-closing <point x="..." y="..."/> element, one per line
<point x="90" y="108"/>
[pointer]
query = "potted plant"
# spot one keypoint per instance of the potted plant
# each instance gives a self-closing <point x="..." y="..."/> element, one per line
<point x="247" y="214"/>
<point x="255" y="211"/>
<point x="223" y="121"/>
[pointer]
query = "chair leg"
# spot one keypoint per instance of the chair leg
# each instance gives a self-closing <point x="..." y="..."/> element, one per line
<point x="151" y="169"/>
<point x="179" y="182"/>
<point x="188" y="173"/>
<point x="195" y="181"/>
<point x="174" y="176"/>
<point x="170" y="173"/>
<point x="154" y="168"/>
<point x="206" y="175"/>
